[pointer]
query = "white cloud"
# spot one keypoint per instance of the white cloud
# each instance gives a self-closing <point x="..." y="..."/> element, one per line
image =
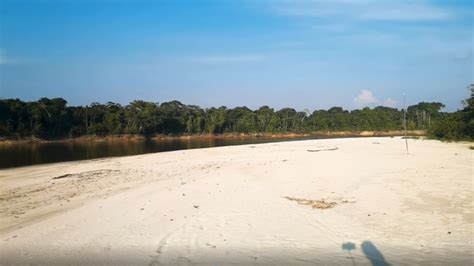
<point x="367" y="98"/>
<point x="389" y="102"/>
<point x="226" y="59"/>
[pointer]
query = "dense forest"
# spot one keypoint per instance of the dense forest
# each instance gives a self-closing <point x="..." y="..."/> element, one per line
<point x="53" y="119"/>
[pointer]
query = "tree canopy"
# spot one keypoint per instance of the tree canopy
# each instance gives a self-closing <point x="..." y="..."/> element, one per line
<point x="457" y="125"/>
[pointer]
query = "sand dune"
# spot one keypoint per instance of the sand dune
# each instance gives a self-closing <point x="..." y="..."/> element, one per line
<point x="339" y="201"/>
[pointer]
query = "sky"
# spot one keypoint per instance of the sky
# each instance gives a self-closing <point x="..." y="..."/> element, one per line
<point x="305" y="54"/>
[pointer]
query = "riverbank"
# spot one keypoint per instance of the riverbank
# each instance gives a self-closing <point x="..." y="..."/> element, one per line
<point x="134" y="137"/>
<point x="332" y="201"/>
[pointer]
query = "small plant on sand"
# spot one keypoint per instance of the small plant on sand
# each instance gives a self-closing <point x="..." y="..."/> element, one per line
<point x="315" y="204"/>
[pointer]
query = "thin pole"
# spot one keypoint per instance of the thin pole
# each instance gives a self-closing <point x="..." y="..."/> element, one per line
<point x="87" y="125"/>
<point x="405" y="122"/>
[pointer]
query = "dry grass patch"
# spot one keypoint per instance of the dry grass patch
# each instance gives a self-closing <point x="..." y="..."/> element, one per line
<point x="315" y="204"/>
<point x="89" y="174"/>
<point x="322" y="203"/>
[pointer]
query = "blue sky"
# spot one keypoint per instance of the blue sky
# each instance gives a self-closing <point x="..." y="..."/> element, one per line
<point x="302" y="53"/>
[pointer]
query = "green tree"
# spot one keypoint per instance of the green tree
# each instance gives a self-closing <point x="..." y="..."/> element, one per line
<point x="215" y="120"/>
<point x="142" y="117"/>
<point x="265" y="119"/>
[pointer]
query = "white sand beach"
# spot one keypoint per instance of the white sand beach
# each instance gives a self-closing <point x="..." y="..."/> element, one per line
<point x="355" y="201"/>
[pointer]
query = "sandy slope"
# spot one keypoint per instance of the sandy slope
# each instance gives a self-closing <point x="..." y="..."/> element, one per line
<point x="228" y="205"/>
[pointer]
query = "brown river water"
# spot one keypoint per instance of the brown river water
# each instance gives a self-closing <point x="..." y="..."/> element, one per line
<point x="25" y="154"/>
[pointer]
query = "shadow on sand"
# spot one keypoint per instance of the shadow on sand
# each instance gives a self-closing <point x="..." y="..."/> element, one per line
<point x="370" y="251"/>
<point x="373" y="254"/>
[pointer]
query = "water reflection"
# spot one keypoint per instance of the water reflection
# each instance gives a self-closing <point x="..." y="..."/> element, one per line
<point x="40" y="153"/>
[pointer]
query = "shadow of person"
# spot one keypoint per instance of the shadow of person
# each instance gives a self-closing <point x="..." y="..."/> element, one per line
<point x="373" y="254"/>
<point x="349" y="246"/>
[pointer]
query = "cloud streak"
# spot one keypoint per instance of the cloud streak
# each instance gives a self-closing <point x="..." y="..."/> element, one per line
<point x="363" y="10"/>
<point x="226" y="59"/>
<point x="4" y="60"/>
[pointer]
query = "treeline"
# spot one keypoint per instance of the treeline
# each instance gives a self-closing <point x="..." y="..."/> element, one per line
<point x="457" y="125"/>
<point x="53" y="118"/>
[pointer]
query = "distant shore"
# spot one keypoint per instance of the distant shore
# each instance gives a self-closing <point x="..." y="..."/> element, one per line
<point x="134" y="137"/>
